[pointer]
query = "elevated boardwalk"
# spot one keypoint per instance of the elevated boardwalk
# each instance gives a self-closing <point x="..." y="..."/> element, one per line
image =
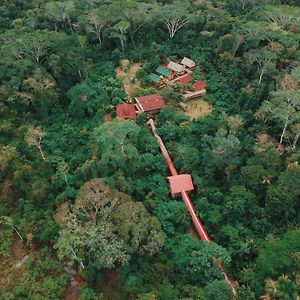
<point x="186" y="199"/>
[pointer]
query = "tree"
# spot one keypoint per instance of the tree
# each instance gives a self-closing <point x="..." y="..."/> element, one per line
<point x="8" y="221"/>
<point x="9" y="158"/>
<point x="116" y="133"/>
<point x="63" y="169"/>
<point x="241" y="206"/>
<point x="61" y="13"/>
<point x="243" y="6"/>
<point x="218" y="289"/>
<point x="96" y="21"/>
<point x="296" y="132"/>
<point x="282" y="198"/>
<point x="283" y="288"/>
<point x="105" y="227"/>
<point x="39" y="90"/>
<point x="222" y="152"/>
<point x="33" y="45"/>
<point x="119" y="31"/>
<point x="263" y="59"/>
<point x="296" y="73"/>
<point x="172" y="215"/>
<point x="141" y="231"/>
<point x="174" y="17"/>
<point x="41" y="276"/>
<point x="136" y="13"/>
<point x="196" y="261"/>
<point x="278" y="257"/>
<point x="88" y="237"/>
<point x="34" y="138"/>
<point x="283" y="107"/>
<point x="283" y="15"/>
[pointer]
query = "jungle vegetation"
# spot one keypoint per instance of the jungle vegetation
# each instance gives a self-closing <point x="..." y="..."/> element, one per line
<point x="58" y="157"/>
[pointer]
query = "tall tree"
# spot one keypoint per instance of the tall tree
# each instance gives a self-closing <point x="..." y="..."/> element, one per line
<point x="263" y="59"/>
<point x="283" y="107"/>
<point x="119" y="31"/>
<point x="96" y="21"/>
<point x="39" y="90"/>
<point x="174" y="17"/>
<point x="283" y="198"/>
<point x="196" y="261"/>
<point x="34" y="138"/>
<point x="222" y="153"/>
<point x="115" y="133"/>
<point x="61" y="13"/>
<point x="138" y="14"/>
<point x="105" y="227"/>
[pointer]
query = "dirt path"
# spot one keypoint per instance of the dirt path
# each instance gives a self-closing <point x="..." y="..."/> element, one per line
<point x="128" y="77"/>
<point x="198" y="108"/>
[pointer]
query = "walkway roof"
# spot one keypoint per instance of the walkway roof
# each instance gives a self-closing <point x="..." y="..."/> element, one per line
<point x="179" y="183"/>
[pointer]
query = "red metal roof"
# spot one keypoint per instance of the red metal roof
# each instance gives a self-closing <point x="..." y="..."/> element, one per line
<point x="200" y="85"/>
<point x="150" y="102"/>
<point x="179" y="183"/>
<point x="185" y="79"/>
<point x="126" y="111"/>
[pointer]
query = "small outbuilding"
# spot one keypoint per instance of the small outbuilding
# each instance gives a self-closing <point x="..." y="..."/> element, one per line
<point x="150" y="104"/>
<point x="189" y="63"/>
<point x="180" y="183"/>
<point x="126" y="111"/>
<point x="175" y="67"/>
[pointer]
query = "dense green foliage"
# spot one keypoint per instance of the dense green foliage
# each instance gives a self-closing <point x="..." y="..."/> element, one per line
<point x="88" y="197"/>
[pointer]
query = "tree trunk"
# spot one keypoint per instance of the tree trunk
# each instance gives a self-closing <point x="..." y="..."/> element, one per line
<point x="42" y="153"/>
<point x="295" y="141"/>
<point x="99" y="37"/>
<point x="18" y="233"/>
<point x="76" y="257"/>
<point x="66" y="179"/>
<point x="283" y="131"/>
<point x="261" y="76"/>
<point x="122" y="45"/>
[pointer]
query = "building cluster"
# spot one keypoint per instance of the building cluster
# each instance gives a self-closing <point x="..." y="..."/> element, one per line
<point x="150" y="104"/>
<point x="174" y="73"/>
<point x="179" y="73"/>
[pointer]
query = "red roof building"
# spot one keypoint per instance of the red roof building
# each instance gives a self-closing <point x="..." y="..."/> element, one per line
<point x="185" y="79"/>
<point x="200" y="85"/>
<point x="150" y="103"/>
<point x="179" y="183"/>
<point x="126" y="111"/>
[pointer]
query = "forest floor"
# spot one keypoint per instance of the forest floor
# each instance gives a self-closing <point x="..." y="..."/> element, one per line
<point x="112" y="286"/>
<point x="11" y="266"/>
<point x="198" y="108"/>
<point x="130" y="82"/>
<point x="73" y="290"/>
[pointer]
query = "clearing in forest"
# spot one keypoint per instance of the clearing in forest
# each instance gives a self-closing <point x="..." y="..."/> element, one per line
<point x="198" y="108"/>
<point x="130" y="82"/>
